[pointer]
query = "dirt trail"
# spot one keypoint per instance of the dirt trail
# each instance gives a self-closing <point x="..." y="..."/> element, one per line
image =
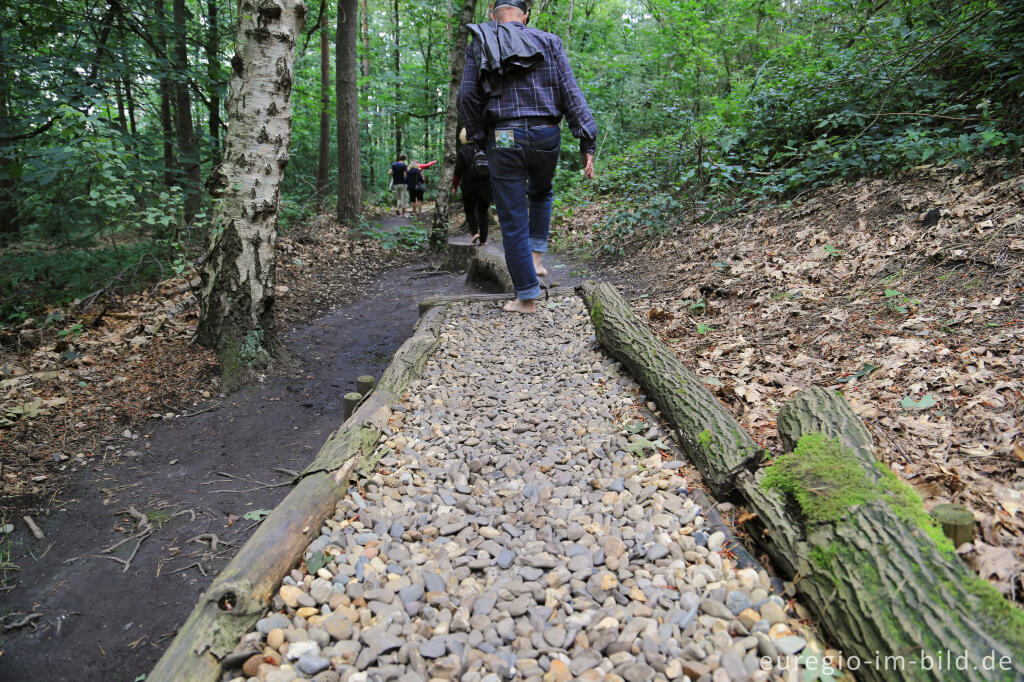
<point x="193" y="478"/>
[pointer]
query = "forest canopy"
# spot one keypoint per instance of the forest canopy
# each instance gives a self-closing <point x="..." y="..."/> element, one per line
<point x="112" y="113"/>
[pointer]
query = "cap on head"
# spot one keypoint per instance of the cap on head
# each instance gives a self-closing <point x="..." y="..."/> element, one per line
<point x="520" y="4"/>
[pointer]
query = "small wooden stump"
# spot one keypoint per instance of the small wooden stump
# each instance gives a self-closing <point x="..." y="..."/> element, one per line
<point x="351" y="402"/>
<point x="956" y="520"/>
<point x="365" y="384"/>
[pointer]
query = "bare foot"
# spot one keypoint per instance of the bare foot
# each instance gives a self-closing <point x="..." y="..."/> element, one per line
<point x="476" y="239"/>
<point x="538" y="268"/>
<point x="519" y="306"/>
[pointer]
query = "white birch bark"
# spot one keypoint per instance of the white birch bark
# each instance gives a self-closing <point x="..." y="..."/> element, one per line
<point x="237" y="294"/>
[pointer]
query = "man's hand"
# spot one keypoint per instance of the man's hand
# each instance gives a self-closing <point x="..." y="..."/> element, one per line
<point x="588" y="166"/>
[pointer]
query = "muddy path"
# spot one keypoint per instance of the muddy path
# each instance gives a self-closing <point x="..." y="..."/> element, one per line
<point x="192" y="489"/>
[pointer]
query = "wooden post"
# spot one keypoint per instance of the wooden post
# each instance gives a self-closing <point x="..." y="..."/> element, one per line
<point x="351" y="400"/>
<point x="365" y="384"/>
<point x="957" y="522"/>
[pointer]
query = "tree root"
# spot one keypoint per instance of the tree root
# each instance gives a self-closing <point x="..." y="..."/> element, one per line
<point x="212" y="539"/>
<point x="27" y="620"/>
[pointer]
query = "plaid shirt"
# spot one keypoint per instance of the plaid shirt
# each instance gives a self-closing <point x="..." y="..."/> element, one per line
<point x="549" y="89"/>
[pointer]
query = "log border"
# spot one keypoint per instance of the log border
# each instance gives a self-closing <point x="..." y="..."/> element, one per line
<point x="240" y="594"/>
<point x="874" y="578"/>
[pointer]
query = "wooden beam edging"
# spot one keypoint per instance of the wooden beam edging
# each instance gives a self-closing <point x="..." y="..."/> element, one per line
<point x="239" y="595"/>
<point x="899" y="605"/>
<point x="428" y="303"/>
<point x="711" y="438"/>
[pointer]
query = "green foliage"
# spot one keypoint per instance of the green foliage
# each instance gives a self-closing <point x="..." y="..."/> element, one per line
<point x="898" y="303"/>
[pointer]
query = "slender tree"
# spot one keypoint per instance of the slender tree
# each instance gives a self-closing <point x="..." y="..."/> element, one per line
<point x="213" y="73"/>
<point x="350" y="184"/>
<point x="166" y="94"/>
<point x="456" y="62"/>
<point x="398" y="80"/>
<point x="323" y="165"/>
<point x="237" y="294"/>
<point x="188" y="153"/>
<point x="364" y="89"/>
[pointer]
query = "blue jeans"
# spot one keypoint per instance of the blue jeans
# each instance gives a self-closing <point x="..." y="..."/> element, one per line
<point x="521" y="183"/>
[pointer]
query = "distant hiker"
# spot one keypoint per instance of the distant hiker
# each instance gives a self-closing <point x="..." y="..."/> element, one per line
<point x="475" y="177"/>
<point x="417" y="186"/>
<point x="516" y="87"/>
<point x="397" y="173"/>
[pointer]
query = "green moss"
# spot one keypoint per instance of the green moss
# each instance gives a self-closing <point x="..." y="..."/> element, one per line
<point x="1008" y="619"/>
<point x="704" y="438"/>
<point x="823" y="556"/>
<point x="823" y="477"/>
<point x="826" y="479"/>
<point x="907" y="505"/>
<point x="597" y="314"/>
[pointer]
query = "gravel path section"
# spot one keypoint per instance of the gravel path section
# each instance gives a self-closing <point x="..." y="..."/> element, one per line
<point x="525" y="523"/>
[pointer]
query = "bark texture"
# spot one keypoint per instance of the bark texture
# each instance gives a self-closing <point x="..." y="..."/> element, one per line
<point x="323" y="165"/>
<point x="350" y="181"/>
<point x="488" y="264"/>
<point x="238" y="597"/>
<point x="873" y="577"/>
<point x="188" y="151"/>
<point x="713" y="440"/>
<point x="875" y="580"/>
<point x="457" y="59"/>
<point x="237" y="294"/>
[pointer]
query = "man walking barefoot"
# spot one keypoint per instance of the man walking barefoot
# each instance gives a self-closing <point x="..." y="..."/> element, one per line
<point x="516" y="87"/>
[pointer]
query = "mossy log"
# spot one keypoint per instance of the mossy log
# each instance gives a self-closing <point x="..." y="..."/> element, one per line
<point x="239" y="595"/>
<point x="877" y="573"/>
<point x="868" y="567"/>
<point x="488" y="265"/>
<point x="712" y="439"/>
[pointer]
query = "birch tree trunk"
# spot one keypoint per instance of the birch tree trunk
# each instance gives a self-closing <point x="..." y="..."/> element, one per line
<point x="237" y="295"/>
<point x="350" y="181"/>
<point x="439" y="229"/>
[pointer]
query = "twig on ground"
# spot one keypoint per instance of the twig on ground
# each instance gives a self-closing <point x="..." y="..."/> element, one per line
<point x="205" y="409"/>
<point x="33" y="527"/>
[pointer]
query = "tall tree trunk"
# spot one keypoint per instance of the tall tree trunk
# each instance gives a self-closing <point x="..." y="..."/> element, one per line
<point x="568" y="30"/>
<point x="398" y="82"/>
<point x="122" y="118"/>
<point x="8" y="185"/>
<point x="237" y="295"/>
<point x="130" y="100"/>
<point x="350" y="183"/>
<point x="166" y="93"/>
<point x="365" y="88"/>
<point x="188" y="154"/>
<point x="439" y="229"/>
<point x="213" y="71"/>
<point x="426" y="97"/>
<point x="323" y="165"/>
